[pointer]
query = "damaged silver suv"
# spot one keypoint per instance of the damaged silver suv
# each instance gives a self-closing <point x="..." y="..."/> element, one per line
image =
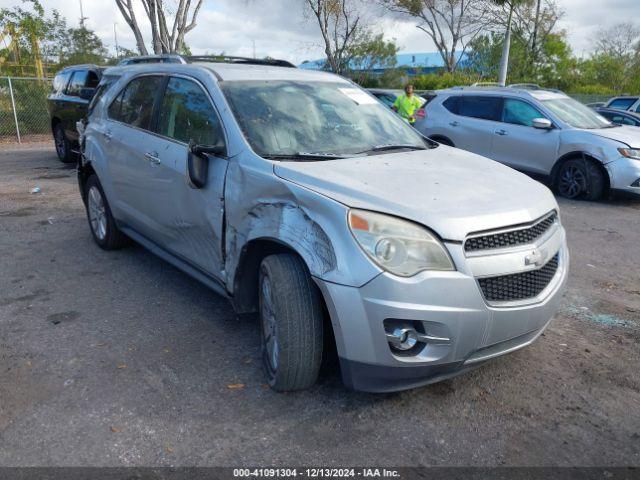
<point x="299" y="196"/>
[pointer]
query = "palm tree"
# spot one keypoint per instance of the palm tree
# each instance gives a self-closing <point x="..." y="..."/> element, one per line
<point x="504" y="62"/>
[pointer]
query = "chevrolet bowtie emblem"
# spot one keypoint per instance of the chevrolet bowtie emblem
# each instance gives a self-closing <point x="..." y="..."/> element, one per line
<point x="537" y="258"/>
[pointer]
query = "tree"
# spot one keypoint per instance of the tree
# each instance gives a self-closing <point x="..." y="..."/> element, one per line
<point x="339" y="24"/>
<point x="451" y="24"/>
<point x="164" y="39"/>
<point x="504" y="61"/>
<point x="370" y="52"/>
<point x="620" y="41"/>
<point x="84" y="46"/>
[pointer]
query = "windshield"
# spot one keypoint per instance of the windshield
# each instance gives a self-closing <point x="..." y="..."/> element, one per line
<point x="286" y="118"/>
<point x="576" y="114"/>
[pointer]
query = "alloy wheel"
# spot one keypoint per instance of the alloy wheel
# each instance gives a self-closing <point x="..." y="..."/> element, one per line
<point x="573" y="182"/>
<point x="97" y="213"/>
<point x="269" y="327"/>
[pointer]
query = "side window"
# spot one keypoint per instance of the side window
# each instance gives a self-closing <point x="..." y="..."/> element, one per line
<point x="622" y="103"/>
<point x="186" y="114"/>
<point x="92" y="80"/>
<point x="134" y="105"/>
<point x="103" y="86"/>
<point x="486" y="108"/>
<point x="452" y="104"/>
<point x="77" y="83"/>
<point x="60" y="82"/>
<point x="520" y="113"/>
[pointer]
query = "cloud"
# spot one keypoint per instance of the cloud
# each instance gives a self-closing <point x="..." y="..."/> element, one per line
<point x="280" y="28"/>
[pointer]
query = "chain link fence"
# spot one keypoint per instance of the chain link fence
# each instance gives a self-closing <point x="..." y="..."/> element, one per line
<point x="23" y="108"/>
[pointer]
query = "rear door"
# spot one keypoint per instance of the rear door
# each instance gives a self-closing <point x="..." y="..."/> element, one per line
<point x="129" y="143"/>
<point x="478" y="117"/>
<point x="188" y="222"/>
<point x="517" y="144"/>
<point x="75" y="107"/>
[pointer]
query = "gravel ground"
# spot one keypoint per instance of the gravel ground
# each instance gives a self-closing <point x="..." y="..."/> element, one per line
<point x="118" y="359"/>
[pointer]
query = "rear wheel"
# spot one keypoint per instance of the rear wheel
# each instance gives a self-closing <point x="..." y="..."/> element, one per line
<point x="103" y="226"/>
<point x="580" y="178"/>
<point x="291" y="318"/>
<point x="63" y="146"/>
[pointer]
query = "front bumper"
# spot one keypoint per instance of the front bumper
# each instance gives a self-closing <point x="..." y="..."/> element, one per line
<point x="447" y="304"/>
<point x="624" y="175"/>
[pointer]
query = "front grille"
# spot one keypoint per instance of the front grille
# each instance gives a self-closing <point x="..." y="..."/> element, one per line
<point x="511" y="238"/>
<point x="519" y="286"/>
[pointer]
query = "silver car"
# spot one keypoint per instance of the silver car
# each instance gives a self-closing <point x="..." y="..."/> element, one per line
<point x="299" y="196"/>
<point x="541" y="132"/>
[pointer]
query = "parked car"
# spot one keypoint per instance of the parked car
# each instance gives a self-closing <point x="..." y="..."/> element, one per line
<point x="631" y="103"/>
<point x="73" y="88"/>
<point x="418" y="261"/>
<point x="541" y="132"/>
<point x="620" y="117"/>
<point x="388" y="97"/>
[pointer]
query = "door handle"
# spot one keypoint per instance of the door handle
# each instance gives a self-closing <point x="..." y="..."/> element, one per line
<point x="108" y="135"/>
<point x="501" y="132"/>
<point x="153" y="157"/>
<point x="454" y="124"/>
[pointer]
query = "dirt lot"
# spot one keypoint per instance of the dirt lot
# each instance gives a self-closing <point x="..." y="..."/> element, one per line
<point x="120" y="359"/>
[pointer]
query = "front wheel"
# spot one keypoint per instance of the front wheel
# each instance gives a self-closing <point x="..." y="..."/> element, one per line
<point x="291" y="319"/>
<point x="580" y="178"/>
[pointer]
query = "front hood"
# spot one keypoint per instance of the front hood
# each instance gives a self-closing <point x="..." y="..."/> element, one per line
<point x="630" y="136"/>
<point x="451" y="191"/>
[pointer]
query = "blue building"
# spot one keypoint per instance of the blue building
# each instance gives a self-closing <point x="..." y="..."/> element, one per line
<point x="411" y="63"/>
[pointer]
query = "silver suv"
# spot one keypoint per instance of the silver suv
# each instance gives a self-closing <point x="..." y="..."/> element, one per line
<point x="541" y="132"/>
<point x="299" y="196"/>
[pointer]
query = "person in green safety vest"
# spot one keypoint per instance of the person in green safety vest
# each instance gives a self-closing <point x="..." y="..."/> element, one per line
<point x="406" y="104"/>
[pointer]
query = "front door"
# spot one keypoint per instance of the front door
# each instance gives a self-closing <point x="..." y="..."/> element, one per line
<point x="188" y="221"/>
<point x="518" y="144"/>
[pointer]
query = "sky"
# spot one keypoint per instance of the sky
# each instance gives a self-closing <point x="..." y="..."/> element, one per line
<point x="281" y="29"/>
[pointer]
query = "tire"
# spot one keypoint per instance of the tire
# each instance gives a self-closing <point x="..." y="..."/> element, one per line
<point x="580" y="178"/>
<point x="63" y="146"/>
<point x="291" y="320"/>
<point x="101" y="222"/>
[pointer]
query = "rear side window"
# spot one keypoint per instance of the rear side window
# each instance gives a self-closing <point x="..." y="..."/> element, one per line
<point x="104" y="85"/>
<point x="486" y="108"/>
<point x="518" y="112"/>
<point x="134" y="105"/>
<point x="622" y="103"/>
<point x="60" y="81"/>
<point x="452" y="104"/>
<point x="186" y="113"/>
<point x="77" y="83"/>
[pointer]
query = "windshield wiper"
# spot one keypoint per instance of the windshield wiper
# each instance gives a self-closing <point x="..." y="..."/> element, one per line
<point x="303" y="156"/>
<point x="391" y="146"/>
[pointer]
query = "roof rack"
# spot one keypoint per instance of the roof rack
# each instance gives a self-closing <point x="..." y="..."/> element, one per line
<point x="241" y="60"/>
<point x="174" y="58"/>
<point x="526" y="86"/>
<point x="164" y="58"/>
<point x="485" y="84"/>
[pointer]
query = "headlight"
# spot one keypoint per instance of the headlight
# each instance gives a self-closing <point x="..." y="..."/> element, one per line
<point x="398" y="246"/>
<point x="630" y="153"/>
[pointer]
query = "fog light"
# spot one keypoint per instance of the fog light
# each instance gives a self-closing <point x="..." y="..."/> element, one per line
<point x="403" y="338"/>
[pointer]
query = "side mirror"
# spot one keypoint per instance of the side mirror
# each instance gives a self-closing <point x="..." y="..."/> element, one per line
<point x="87" y="93"/>
<point x="542" y="123"/>
<point x="198" y="162"/>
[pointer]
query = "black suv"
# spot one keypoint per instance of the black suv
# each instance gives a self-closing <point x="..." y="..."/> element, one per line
<point x="73" y="88"/>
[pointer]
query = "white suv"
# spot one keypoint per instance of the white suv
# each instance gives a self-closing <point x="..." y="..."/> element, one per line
<point x="541" y="132"/>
